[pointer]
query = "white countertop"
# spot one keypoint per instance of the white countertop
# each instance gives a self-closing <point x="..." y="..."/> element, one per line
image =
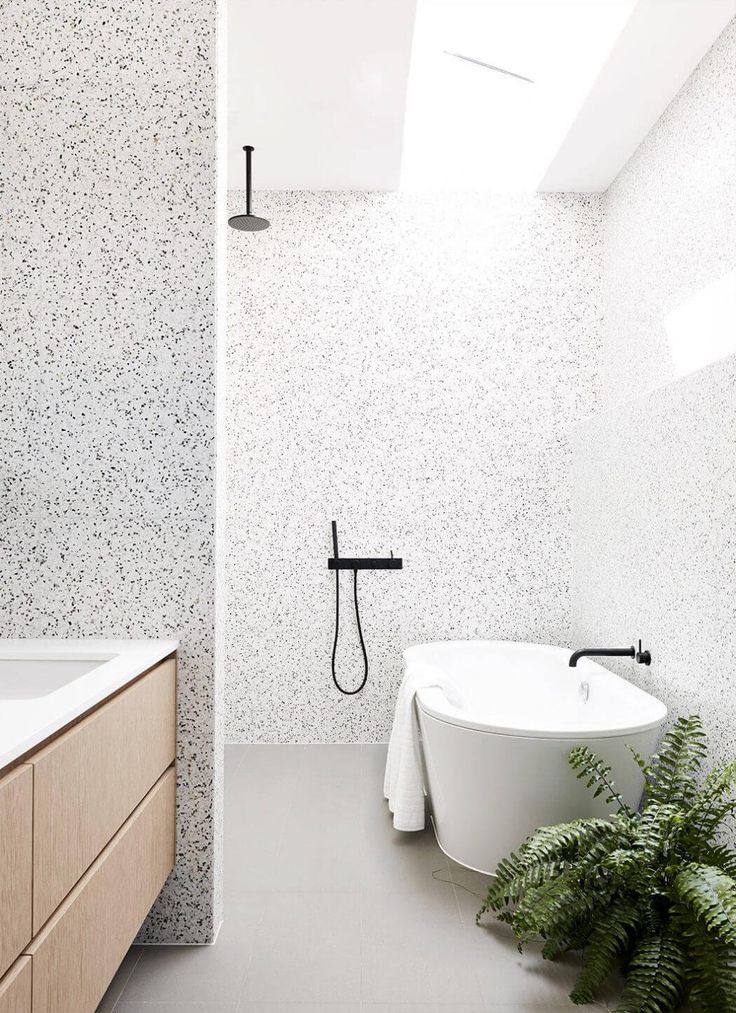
<point x="27" y="721"/>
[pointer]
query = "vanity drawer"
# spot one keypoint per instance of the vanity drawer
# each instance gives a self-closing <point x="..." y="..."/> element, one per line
<point x="88" y="781"/>
<point x="78" y="952"/>
<point x="16" y="864"/>
<point x="15" y="988"/>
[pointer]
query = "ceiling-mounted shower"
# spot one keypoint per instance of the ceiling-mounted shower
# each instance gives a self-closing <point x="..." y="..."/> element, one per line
<point x="248" y="222"/>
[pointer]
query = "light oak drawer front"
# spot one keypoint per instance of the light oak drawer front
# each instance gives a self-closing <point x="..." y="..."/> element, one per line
<point x="16" y="864"/>
<point x="81" y="947"/>
<point x="15" y="988"/>
<point x="90" y="780"/>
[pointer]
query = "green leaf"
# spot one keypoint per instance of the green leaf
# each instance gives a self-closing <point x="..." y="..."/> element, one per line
<point x="652" y="891"/>
<point x="715" y="801"/>
<point x="590" y="768"/>
<point x="711" y="968"/>
<point x="640" y="761"/>
<point x="656" y="975"/>
<point x="674" y="769"/>
<point x="510" y="891"/>
<point x="608" y="941"/>
<point x="711" y="895"/>
<point x="718" y="855"/>
<point x="566" y="841"/>
<point x="557" y="909"/>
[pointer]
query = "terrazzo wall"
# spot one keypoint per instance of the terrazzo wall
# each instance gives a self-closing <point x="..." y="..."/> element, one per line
<point x="107" y="345"/>
<point x="670" y="224"/>
<point x="654" y="477"/>
<point x="412" y="369"/>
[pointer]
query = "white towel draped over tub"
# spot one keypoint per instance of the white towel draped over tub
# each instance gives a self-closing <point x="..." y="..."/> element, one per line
<point x="402" y="784"/>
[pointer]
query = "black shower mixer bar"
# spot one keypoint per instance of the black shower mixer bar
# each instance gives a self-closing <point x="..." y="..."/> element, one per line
<point x="365" y="563"/>
<point x="338" y="562"/>
<point x="354" y="563"/>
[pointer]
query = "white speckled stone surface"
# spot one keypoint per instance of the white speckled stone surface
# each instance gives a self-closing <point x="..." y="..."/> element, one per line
<point x="654" y="478"/>
<point x="654" y="508"/>
<point x="410" y="367"/>
<point x="107" y="341"/>
<point x="670" y="223"/>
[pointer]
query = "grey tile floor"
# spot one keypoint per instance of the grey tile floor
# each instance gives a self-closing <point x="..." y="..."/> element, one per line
<point x="329" y="910"/>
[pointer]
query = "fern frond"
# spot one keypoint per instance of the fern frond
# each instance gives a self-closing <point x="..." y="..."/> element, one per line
<point x="655" y="976"/>
<point x="501" y="893"/>
<point x="674" y="768"/>
<point x="566" y="841"/>
<point x="555" y="909"/>
<point x="608" y="941"/>
<point x="711" y="973"/>
<point x="659" y="831"/>
<point x="652" y="891"/>
<point x="510" y="867"/>
<point x="711" y="970"/>
<point x="715" y="801"/>
<point x="718" y="855"/>
<point x="711" y="895"/>
<point x="639" y="760"/>
<point x="589" y="767"/>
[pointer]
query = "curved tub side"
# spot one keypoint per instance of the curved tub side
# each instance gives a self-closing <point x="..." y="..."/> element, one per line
<point x="488" y="792"/>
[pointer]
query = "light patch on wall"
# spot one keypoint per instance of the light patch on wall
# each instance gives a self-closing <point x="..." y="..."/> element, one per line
<point x="703" y="328"/>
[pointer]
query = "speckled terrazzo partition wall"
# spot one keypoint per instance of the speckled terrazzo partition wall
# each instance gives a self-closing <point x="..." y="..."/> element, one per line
<point x="107" y="416"/>
<point x="654" y="477"/>
<point x="410" y="366"/>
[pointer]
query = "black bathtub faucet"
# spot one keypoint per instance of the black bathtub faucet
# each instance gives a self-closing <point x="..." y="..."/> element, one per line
<point x="642" y="657"/>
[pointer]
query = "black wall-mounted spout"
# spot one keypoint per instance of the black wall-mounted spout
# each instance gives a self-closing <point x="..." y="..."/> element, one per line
<point x="642" y="657"/>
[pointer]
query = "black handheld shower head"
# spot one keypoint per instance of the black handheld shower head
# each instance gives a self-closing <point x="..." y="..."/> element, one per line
<point x="248" y="222"/>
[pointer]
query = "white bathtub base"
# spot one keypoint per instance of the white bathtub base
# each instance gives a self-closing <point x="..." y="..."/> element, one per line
<point x="452" y="858"/>
<point x="490" y="786"/>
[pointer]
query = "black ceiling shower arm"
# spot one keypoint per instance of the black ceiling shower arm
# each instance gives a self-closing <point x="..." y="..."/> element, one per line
<point x="248" y="222"/>
<point x="248" y="149"/>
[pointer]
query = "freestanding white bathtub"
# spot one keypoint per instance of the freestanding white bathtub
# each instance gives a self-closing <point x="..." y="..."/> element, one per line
<point x="495" y="768"/>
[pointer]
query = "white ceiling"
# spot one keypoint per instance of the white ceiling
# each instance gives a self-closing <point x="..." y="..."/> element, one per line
<point x="318" y="87"/>
<point x="470" y="128"/>
<point x="360" y="94"/>
<point x="661" y="44"/>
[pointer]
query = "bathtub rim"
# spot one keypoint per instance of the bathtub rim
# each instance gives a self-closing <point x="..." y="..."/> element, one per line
<point x="434" y="703"/>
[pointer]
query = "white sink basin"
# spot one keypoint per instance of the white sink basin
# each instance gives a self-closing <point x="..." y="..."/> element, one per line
<point x="29" y="678"/>
<point x="47" y="683"/>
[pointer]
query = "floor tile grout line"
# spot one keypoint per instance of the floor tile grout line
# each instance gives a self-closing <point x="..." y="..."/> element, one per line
<point x="249" y="962"/>
<point x="267" y="895"/>
<point x="461" y="919"/>
<point x="125" y="983"/>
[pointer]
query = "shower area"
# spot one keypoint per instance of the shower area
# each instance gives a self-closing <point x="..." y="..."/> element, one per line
<point x="411" y="367"/>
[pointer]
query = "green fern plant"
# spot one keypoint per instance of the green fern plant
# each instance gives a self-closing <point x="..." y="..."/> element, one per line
<point x="651" y="893"/>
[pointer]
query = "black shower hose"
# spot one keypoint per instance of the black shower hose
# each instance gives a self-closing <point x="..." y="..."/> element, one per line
<point x="348" y="692"/>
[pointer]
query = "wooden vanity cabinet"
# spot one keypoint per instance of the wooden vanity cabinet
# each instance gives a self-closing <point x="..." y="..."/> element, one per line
<point x="88" y="781"/>
<point x="16" y="863"/>
<point x="16" y="988"/>
<point x="78" y="951"/>
<point x="87" y="839"/>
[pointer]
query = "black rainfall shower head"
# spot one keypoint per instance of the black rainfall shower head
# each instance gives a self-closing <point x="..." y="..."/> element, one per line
<point x="248" y="222"/>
